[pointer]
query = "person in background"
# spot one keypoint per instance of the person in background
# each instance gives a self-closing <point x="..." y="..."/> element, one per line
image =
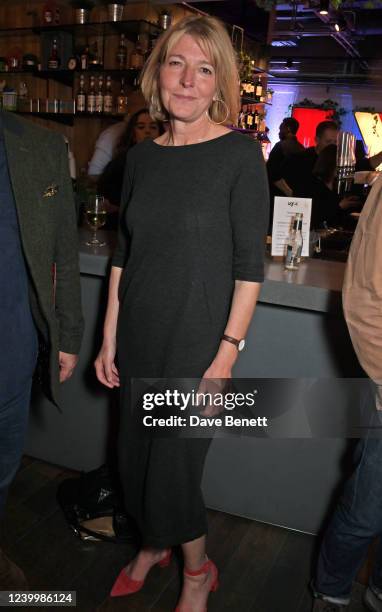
<point x="298" y="168"/>
<point x="139" y="127"/>
<point x="105" y="147"/>
<point x="288" y="145"/>
<point x="40" y="305"/>
<point x="363" y="162"/>
<point x="184" y="283"/>
<point x="328" y="208"/>
<point x="357" y="519"/>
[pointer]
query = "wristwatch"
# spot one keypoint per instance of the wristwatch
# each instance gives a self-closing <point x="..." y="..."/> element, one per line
<point x="240" y="344"/>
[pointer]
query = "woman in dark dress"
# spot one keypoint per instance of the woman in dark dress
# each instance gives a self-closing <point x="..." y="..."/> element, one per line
<point x="184" y="283"/>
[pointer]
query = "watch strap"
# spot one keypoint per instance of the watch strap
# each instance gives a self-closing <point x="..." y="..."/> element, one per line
<point x="231" y="340"/>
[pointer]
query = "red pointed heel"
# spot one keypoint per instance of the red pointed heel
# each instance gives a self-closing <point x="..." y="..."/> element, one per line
<point x="207" y="567"/>
<point x="124" y="585"/>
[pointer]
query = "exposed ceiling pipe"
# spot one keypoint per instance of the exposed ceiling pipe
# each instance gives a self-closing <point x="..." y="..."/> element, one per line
<point x="304" y="33"/>
<point x="369" y="30"/>
<point x="271" y="25"/>
<point x="324" y="75"/>
<point x="338" y="82"/>
<point x="343" y="41"/>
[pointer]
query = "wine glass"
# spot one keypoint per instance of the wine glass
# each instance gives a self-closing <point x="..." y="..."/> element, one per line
<point x="95" y="214"/>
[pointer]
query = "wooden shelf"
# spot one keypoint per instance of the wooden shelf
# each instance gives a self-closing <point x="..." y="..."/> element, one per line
<point x="66" y="76"/>
<point x="130" y="26"/>
<point x="64" y="118"/>
<point x="68" y="118"/>
<point x="249" y="100"/>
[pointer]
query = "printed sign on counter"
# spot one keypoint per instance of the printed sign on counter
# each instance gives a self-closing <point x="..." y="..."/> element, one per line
<point x="284" y="211"/>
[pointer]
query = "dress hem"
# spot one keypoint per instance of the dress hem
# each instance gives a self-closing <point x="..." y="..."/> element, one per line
<point x="173" y="540"/>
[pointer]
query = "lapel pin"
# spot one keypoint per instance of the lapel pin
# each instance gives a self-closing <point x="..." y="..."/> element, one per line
<point x="50" y="191"/>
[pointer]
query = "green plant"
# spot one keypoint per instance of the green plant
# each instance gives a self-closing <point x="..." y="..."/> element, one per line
<point x="338" y="111"/>
<point x="365" y="109"/>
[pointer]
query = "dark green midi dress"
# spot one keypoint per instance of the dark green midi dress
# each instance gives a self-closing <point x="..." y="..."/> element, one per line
<point x="193" y="220"/>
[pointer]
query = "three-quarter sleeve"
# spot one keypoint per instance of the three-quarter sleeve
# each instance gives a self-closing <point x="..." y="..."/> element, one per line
<point x="249" y="211"/>
<point x="121" y="252"/>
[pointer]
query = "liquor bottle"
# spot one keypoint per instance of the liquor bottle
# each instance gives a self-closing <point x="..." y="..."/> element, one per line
<point x="81" y="97"/>
<point x="136" y="85"/>
<point x="95" y="59"/>
<point x="244" y="116"/>
<point x="258" y="89"/>
<point x="122" y="100"/>
<point x="122" y="53"/>
<point x="137" y="59"/>
<point x="294" y="244"/>
<point x="23" y="90"/>
<point x="144" y="43"/>
<point x="91" y="101"/>
<point x="241" y="118"/>
<point x="255" y="115"/>
<point x="54" y="59"/>
<point x="249" y="119"/>
<point x="108" y="100"/>
<point x="99" y="96"/>
<point x="242" y="90"/>
<point x="84" y="59"/>
<point x="251" y="88"/>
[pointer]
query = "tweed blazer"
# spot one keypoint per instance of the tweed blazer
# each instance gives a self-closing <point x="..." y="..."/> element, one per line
<point x="362" y="288"/>
<point x="38" y="168"/>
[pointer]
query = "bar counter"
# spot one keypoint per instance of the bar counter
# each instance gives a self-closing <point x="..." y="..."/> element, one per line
<point x="298" y="331"/>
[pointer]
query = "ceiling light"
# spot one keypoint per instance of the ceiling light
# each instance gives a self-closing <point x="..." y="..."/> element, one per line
<point x="339" y="23"/>
<point x="284" y="43"/>
<point x="324" y="7"/>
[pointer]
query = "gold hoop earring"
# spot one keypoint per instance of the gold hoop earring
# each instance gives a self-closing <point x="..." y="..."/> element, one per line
<point x="219" y="101"/>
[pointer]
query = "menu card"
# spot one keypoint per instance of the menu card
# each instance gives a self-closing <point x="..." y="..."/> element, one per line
<point x="284" y="211"/>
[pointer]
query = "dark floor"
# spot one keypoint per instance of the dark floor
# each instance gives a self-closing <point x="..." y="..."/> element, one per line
<point x="262" y="568"/>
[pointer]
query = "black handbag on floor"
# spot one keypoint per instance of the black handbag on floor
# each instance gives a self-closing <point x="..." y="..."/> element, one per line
<point x="93" y="507"/>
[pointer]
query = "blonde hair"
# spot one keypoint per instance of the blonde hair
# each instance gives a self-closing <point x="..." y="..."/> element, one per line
<point x="212" y="36"/>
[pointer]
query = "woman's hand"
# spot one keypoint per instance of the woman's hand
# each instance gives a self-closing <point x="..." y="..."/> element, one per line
<point x="67" y="363"/>
<point x="106" y="370"/>
<point x="350" y="201"/>
<point x="215" y="377"/>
